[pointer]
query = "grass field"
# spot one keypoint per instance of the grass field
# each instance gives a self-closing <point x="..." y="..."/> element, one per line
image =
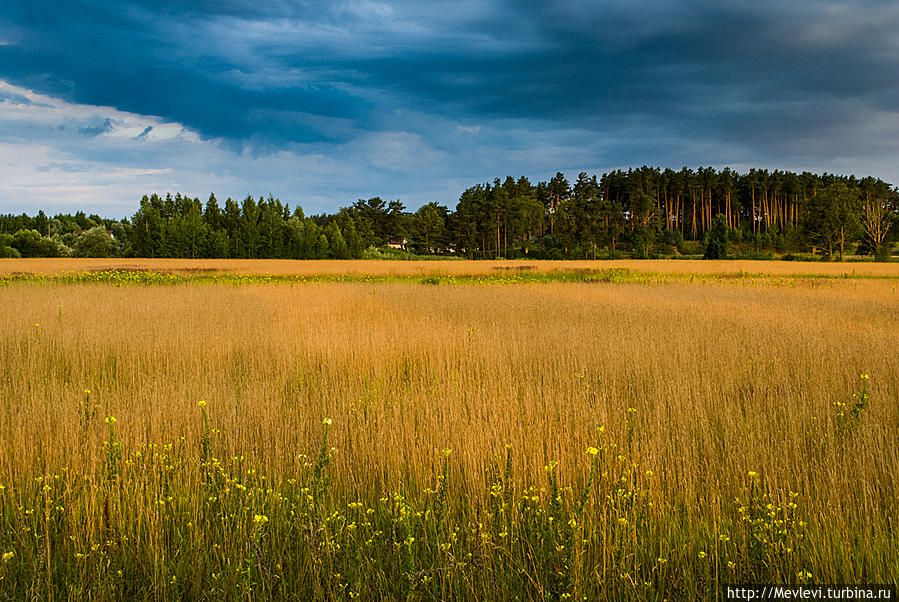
<point x="628" y="438"/>
<point x="286" y="267"/>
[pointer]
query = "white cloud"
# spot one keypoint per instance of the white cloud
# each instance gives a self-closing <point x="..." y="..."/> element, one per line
<point x="38" y="115"/>
<point x="64" y="157"/>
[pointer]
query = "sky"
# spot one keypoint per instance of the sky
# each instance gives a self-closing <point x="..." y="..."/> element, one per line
<point x="321" y="103"/>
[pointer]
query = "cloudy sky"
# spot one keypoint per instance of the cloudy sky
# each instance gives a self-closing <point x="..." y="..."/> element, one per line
<point x="321" y="103"/>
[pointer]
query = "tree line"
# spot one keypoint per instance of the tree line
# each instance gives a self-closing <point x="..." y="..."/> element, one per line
<point x="641" y="212"/>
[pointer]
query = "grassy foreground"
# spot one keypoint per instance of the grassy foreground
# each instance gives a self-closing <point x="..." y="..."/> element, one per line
<point x="627" y="438"/>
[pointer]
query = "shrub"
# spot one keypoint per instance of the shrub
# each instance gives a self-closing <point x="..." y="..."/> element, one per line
<point x="716" y="240"/>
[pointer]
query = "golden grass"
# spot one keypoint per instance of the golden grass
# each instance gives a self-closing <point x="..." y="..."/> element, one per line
<point x="56" y="266"/>
<point x="723" y="380"/>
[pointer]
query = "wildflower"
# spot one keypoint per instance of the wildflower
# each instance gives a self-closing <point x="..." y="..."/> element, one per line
<point x="446" y="452"/>
<point x="753" y="474"/>
<point x="110" y="420"/>
<point x="201" y="404"/>
<point x="326" y="421"/>
<point x="622" y="521"/>
<point x="592" y="451"/>
<point x="260" y="519"/>
<point x="702" y="555"/>
<point x="7" y="556"/>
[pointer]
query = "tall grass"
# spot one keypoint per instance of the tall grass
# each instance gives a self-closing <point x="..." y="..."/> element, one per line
<point x="543" y="442"/>
<point x="455" y="267"/>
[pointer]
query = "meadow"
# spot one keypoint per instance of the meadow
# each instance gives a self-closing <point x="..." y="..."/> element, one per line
<point x="446" y="268"/>
<point x="654" y="432"/>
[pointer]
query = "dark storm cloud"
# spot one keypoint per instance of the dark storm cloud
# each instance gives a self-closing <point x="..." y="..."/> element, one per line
<point x="127" y="56"/>
<point x="719" y="71"/>
<point x="237" y="69"/>
<point x="591" y="85"/>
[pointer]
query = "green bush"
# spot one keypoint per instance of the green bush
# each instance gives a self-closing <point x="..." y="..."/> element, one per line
<point x="716" y="240"/>
<point x="9" y="252"/>
<point x="31" y="244"/>
<point x="690" y="247"/>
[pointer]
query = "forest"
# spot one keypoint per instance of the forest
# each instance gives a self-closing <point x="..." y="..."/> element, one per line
<point x="638" y="213"/>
